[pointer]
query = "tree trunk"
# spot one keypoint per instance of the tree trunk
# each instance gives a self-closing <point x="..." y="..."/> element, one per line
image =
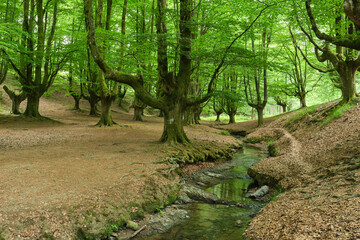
<point x="260" y="113"/>
<point x="173" y="126"/>
<point x="302" y="101"/>
<point x="252" y="114"/>
<point x="93" y="99"/>
<point x="77" y="101"/>
<point x="189" y="117"/>
<point x="232" y="117"/>
<point x="93" y="109"/>
<point x="284" y="108"/>
<point x="106" y="116"/>
<point x="138" y="114"/>
<point x="218" y="116"/>
<point x="197" y="117"/>
<point x="32" y="106"/>
<point x="348" y="88"/>
<point x="138" y="109"/>
<point x="16" y="99"/>
<point x="161" y="113"/>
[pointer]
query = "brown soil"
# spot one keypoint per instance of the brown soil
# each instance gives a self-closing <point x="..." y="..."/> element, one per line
<point x="321" y="166"/>
<point x="60" y="176"/>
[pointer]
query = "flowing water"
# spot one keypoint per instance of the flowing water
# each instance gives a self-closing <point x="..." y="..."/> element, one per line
<point x="211" y="221"/>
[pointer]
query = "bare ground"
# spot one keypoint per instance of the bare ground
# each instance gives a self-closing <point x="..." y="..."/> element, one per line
<point x="57" y="177"/>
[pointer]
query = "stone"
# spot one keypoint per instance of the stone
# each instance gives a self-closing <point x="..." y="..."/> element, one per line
<point x="238" y="223"/>
<point x="216" y="175"/>
<point x="260" y="192"/>
<point x="132" y="225"/>
<point x="184" y="198"/>
<point x="198" y="194"/>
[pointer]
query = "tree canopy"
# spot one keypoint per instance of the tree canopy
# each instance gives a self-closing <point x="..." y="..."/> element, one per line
<point x="183" y="57"/>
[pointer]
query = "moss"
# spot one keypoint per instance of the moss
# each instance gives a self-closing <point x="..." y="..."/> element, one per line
<point x="336" y="113"/>
<point x="273" y="150"/>
<point x="225" y="132"/>
<point x="306" y="112"/>
<point x="45" y="236"/>
<point x="279" y="190"/>
<point x="198" y="153"/>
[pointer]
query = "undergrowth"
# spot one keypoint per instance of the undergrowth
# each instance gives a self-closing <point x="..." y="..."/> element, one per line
<point x="306" y="112"/>
<point x="279" y="190"/>
<point x="225" y="132"/>
<point x="336" y="113"/>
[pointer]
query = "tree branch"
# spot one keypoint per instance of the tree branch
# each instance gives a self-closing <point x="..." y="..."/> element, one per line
<point x="345" y="42"/>
<point x="306" y="59"/>
<point x="128" y="79"/>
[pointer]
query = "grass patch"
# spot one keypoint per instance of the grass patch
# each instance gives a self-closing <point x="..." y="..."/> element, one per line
<point x="273" y="150"/>
<point x="306" y="112"/>
<point x="225" y="132"/>
<point x="336" y="113"/>
<point x="279" y="190"/>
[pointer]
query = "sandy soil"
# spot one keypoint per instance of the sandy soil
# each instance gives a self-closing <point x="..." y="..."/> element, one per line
<point x="53" y="173"/>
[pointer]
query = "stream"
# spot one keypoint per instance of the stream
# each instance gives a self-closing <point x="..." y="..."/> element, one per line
<point x="214" y="221"/>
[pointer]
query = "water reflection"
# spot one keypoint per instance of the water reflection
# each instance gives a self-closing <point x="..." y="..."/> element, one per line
<point x="217" y="222"/>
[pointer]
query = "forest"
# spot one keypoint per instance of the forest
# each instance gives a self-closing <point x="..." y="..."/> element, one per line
<point x="89" y="85"/>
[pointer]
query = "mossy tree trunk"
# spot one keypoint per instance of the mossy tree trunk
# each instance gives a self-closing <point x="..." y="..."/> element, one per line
<point x="38" y="74"/>
<point x="348" y="79"/>
<point x="3" y="70"/>
<point x="260" y="113"/>
<point x="16" y="100"/>
<point x="106" y="97"/>
<point x="93" y="101"/>
<point x="232" y="117"/>
<point x="121" y="95"/>
<point x="139" y="107"/>
<point x="108" y="92"/>
<point x="302" y="98"/>
<point x="106" y="119"/>
<point x="32" y="105"/>
<point x="173" y="126"/>
<point x="175" y="100"/>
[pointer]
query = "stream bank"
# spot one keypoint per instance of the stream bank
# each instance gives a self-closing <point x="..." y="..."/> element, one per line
<point x="214" y="203"/>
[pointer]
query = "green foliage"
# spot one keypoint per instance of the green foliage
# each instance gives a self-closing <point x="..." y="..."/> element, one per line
<point x="273" y="150"/>
<point x="225" y="133"/>
<point x="306" y="112"/>
<point x="279" y="190"/>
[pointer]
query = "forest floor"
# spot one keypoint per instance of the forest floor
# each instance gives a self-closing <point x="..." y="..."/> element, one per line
<point x="55" y="176"/>
<point x="60" y="176"/>
<point x="317" y="163"/>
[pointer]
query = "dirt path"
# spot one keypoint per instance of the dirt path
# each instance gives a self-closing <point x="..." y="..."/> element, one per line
<point x="51" y="173"/>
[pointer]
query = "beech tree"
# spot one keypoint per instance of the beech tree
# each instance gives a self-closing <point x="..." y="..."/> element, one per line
<point x="175" y="85"/>
<point x="38" y="63"/>
<point x="344" y="60"/>
<point x="256" y="79"/>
